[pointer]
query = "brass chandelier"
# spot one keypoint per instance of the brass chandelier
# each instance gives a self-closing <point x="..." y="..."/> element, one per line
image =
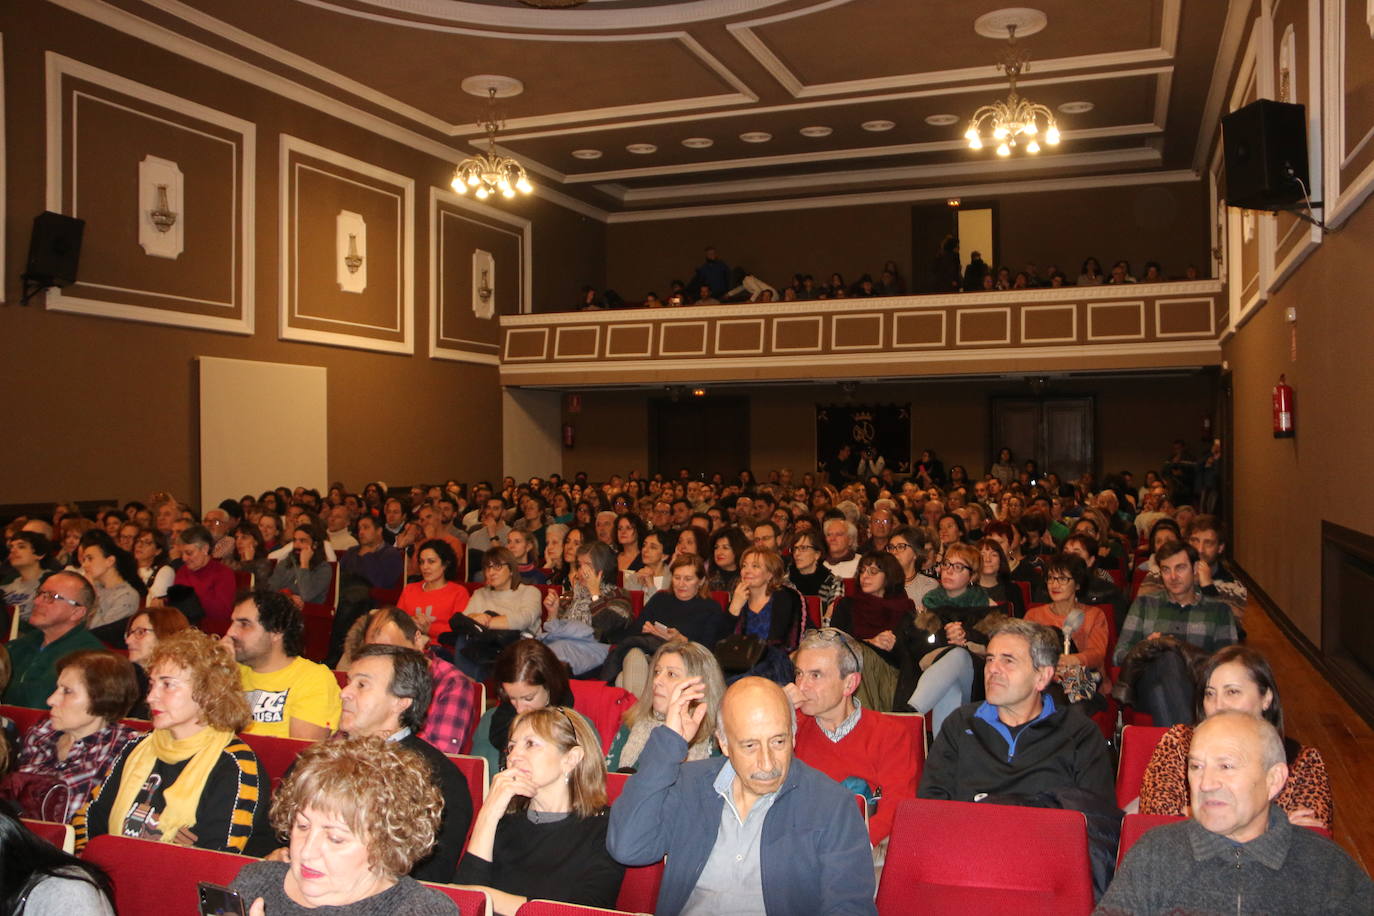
<point x="1016" y="120"/>
<point x="491" y="173"/>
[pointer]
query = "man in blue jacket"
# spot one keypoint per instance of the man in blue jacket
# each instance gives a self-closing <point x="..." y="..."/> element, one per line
<point x="765" y="835"/>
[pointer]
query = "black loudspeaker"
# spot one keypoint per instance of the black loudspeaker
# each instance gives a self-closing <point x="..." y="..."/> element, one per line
<point x="1265" y="145"/>
<point x="54" y="250"/>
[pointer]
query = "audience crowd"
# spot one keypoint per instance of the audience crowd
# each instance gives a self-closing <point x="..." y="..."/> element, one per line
<point x="775" y="637"/>
<point x="714" y="282"/>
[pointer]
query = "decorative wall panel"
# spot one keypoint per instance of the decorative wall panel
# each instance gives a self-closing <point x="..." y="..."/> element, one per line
<point x="466" y="239"/>
<point x="320" y="300"/>
<point x="111" y="143"/>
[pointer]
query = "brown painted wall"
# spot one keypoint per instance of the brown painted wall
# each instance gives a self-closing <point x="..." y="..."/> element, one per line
<point x="109" y="408"/>
<point x="1137" y="417"/>
<point x="1287" y="487"/>
<point x="1167" y="223"/>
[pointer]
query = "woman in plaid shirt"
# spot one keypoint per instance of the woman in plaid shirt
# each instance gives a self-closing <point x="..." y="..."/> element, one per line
<point x="83" y="734"/>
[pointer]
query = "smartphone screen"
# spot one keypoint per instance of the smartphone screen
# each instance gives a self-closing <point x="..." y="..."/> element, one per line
<point x="219" y="901"/>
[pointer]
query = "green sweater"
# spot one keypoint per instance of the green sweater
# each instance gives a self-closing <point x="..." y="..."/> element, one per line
<point x="35" y="665"/>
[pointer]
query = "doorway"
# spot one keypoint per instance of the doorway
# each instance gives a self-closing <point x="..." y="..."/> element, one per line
<point x="1058" y="433"/>
<point x="704" y="434"/>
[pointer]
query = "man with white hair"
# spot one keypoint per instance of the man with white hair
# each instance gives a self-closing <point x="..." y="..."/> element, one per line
<point x="1238" y="853"/>
<point x="841" y="538"/>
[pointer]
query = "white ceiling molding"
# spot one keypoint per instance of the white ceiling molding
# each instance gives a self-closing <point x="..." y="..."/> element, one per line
<point x="1137" y="156"/>
<point x="585" y="19"/>
<point x="990" y="87"/>
<point x="1234" y="32"/>
<point x="235" y="68"/>
<point x="742" y="93"/>
<point x="750" y="40"/>
<point x="866" y="152"/>
<point x="905" y="196"/>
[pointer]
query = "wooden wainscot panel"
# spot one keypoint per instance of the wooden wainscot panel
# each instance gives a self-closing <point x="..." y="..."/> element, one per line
<point x="1184" y="318"/>
<point x="797" y="335"/>
<point x="682" y="338"/>
<point x="1049" y="324"/>
<point x="320" y="188"/>
<point x="629" y="340"/>
<point x="1116" y="320"/>
<point x="742" y="337"/>
<point x="479" y="271"/>
<point x="119" y="151"/>
<point x="576" y="343"/>
<point x="526" y="344"/>
<point x="982" y="327"/>
<point x="919" y="329"/>
<point x="856" y="332"/>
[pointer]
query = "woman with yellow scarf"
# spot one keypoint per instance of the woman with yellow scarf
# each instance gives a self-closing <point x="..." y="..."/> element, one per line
<point x="191" y="781"/>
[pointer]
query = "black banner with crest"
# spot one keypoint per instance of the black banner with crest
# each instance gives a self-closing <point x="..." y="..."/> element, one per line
<point x="878" y="435"/>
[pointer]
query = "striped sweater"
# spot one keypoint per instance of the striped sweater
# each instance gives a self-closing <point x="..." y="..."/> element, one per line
<point x="231" y="815"/>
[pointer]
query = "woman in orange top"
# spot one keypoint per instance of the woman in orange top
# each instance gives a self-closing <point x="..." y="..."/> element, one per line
<point x="438" y="595"/>
<point x="1065" y="574"/>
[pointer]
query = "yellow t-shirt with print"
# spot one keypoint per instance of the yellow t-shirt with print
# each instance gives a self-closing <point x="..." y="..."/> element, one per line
<point x="302" y="690"/>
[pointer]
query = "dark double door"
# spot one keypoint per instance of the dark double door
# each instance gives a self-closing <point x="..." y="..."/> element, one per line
<point x="1056" y="432"/>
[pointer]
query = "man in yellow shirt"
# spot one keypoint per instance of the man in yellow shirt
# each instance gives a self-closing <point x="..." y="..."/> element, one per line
<point x="291" y="697"/>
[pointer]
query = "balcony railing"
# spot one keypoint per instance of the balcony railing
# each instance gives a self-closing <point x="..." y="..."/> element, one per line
<point x="1075" y="328"/>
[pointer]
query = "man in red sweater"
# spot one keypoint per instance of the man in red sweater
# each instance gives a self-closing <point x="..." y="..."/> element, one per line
<point x="842" y="739"/>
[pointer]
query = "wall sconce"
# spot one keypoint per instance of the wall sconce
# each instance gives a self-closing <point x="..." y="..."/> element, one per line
<point x="353" y="260"/>
<point x="162" y="215"/>
<point x="484" y="286"/>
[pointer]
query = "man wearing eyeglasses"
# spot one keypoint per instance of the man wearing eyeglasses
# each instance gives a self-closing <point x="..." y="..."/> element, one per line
<point x="60" y="608"/>
<point x="870" y="753"/>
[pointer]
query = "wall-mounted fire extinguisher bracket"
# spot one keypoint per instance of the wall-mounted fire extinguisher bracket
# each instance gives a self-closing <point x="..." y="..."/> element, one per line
<point x="1283" y="409"/>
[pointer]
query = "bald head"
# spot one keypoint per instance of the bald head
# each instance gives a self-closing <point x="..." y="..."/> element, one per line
<point x="757" y="724"/>
<point x="1236" y="767"/>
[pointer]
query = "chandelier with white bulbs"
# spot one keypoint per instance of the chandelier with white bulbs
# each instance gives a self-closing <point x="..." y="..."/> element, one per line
<point x="1017" y="122"/>
<point x="491" y="173"/>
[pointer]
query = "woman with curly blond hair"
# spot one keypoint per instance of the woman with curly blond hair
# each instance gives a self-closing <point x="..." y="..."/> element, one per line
<point x="357" y="813"/>
<point x="191" y="781"/>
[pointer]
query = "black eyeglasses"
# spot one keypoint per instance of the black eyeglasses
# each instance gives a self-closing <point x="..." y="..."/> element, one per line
<point x="835" y="634"/>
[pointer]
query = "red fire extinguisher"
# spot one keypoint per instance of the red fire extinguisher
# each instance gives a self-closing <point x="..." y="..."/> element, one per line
<point x="569" y="434"/>
<point x="1283" y="410"/>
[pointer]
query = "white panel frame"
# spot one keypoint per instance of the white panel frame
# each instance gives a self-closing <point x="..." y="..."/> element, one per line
<point x="648" y="344"/>
<point x="676" y="354"/>
<point x="819" y="322"/>
<point x="521" y="228"/>
<point x="1341" y="201"/>
<point x="757" y="322"/>
<point x="1254" y="70"/>
<point x="288" y="225"/>
<point x="558" y="342"/>
<point x="1309" y="86"/>
<point x="1140" y="315"/>
<point x="56" y="67"/>
<point x="506" y="357"/>
<point x="1211" y="331"/>
<point x="882" y="330"/>
<point x="944" y="330"/>
<point x="1072" y="309"/>
<point x="959" y="327"/>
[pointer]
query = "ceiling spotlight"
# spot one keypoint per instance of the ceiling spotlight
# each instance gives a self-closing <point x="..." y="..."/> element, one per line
<point x="817" y="131"/>
<point x="697" y="142"/>
<point x="942" y="120"/>
<point x="756" y="136"/>
<point x="878" y="126"/>
<point x="642" y="149"/>
<point x="586" y="154"/>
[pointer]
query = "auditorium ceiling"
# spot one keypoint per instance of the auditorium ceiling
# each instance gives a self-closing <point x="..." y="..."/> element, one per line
<point x="651" y="104"/>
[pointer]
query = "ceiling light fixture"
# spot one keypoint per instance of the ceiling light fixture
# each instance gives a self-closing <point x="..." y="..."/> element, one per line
<point x="553" y="4"/>
<point x="1016" y="120"/>
<point x="491" y="173"/>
